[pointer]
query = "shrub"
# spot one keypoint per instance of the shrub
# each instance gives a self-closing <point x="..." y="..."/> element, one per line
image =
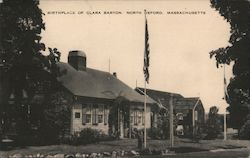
<point x="89" y="136"/>
<point x="245" y="131"/>
<point x="157" y="133"/>
<point x="213" y="124"/>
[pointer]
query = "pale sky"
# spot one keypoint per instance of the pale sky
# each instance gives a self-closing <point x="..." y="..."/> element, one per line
<point x="179" y="44"/>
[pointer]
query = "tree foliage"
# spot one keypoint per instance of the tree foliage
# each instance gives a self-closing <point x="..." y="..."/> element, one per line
<point x="26" y="70"/>
<point x="163" y="124"/>
<point x="236" y="13"/>
<point x="55" y="117"/>
<point x="213" y="128"/>
<point x="22" y="55"/>
<point x="245" y="129"/>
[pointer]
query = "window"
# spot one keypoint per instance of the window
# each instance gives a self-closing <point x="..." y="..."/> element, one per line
<point x="86" y="114"/>
<point x="88" y="118"/>
<point x="135" y="117"/>
<point x="139" y="118"/>
<point x="143" y="118"/>
<point x="106" y="115"/>
<point x="77" y="115"/>
<point x="195" y="115"/>
<point x="100" y="108"/>
<point x="100" y="113"/>
<point x="131" y="120"/>
<point x="100" y="118"/>
<point x="95" y="115"/>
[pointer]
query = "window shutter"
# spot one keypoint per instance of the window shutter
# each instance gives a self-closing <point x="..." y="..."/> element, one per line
<point x="84" y="120"/>
<point x="135" y="117"/>
<point x="93" y="115"/>
<point x="96" y="114"/>
<point x="131" y="117"/>
<point x="105" y="115"/>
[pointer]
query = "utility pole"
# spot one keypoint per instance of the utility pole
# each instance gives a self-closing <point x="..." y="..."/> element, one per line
<point x="109" y="65"/>
<point x="171" y="121"/>
<point x="225" y="126"/>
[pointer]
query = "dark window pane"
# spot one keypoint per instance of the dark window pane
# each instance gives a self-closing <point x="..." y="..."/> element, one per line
<point x="77" y="115"/>
<point x="100" y="118"/>
<point x="88" y="118"/>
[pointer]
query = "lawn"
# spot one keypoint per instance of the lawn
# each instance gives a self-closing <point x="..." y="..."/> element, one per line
<point x="128" y="145"/>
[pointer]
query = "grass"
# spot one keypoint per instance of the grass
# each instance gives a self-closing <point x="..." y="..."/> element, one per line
<point x="129" y="144"/>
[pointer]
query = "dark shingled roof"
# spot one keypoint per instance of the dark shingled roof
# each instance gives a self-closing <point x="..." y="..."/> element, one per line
<point x="186" y="103"/>
<point x="164" y="97"/>
<point x="97" y="84"/>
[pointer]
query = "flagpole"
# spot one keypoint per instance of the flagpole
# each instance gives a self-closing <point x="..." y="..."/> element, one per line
<point x="171" y="121"/>
<point x="145" y="101"/>
<point x="225" y="114"/>
<point x="145" y="107"/>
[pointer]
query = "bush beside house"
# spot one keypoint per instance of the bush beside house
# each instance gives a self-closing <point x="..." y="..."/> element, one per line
<point x="88" y="136"/>
<point x="244" y="132"/>
<point x="213" y="124"/>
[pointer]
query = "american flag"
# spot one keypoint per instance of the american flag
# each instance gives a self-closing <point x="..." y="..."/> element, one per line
<point x="146" y="54"/>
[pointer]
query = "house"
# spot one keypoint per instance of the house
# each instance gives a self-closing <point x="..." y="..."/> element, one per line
<point x="189" y="112"/>
<point x="102" y="101"/>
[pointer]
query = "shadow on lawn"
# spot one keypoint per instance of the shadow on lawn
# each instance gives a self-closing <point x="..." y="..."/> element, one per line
<point x="186" y="149"/>
<point x="230" y="147"/>
<point x="190" y="141"/>
<point x="9" y="148"/>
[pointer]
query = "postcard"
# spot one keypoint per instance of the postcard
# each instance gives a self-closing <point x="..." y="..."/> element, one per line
<point x="116" y="79"/>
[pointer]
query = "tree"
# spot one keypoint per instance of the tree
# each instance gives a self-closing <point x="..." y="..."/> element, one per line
<point x="213" y="128"/>
<point x="56" y="118"/>
<point x="26" y="70"/>
<point x="237" y="14"/>
<point x="162" y="130"/>
<point x="244" y="132"/>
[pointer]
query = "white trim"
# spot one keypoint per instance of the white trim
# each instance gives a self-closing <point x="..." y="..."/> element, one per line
<point x="193" y="113"/>
<point x="196" y="103"/>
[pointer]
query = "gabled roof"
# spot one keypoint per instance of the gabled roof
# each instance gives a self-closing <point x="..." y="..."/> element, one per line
<point x="179" y="102"/>
<point x="97" y="84"/>
<point x="187" y="103"/>
<point x="159" y="96"/>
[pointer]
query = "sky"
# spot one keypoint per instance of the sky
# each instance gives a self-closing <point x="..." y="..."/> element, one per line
<point x="179" y="43"/>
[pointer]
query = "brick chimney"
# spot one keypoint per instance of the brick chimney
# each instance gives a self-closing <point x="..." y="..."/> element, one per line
<point x="78" y="60"/>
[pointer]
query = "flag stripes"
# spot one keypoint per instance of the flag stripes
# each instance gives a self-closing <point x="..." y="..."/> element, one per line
<point x="146" y="54"/>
